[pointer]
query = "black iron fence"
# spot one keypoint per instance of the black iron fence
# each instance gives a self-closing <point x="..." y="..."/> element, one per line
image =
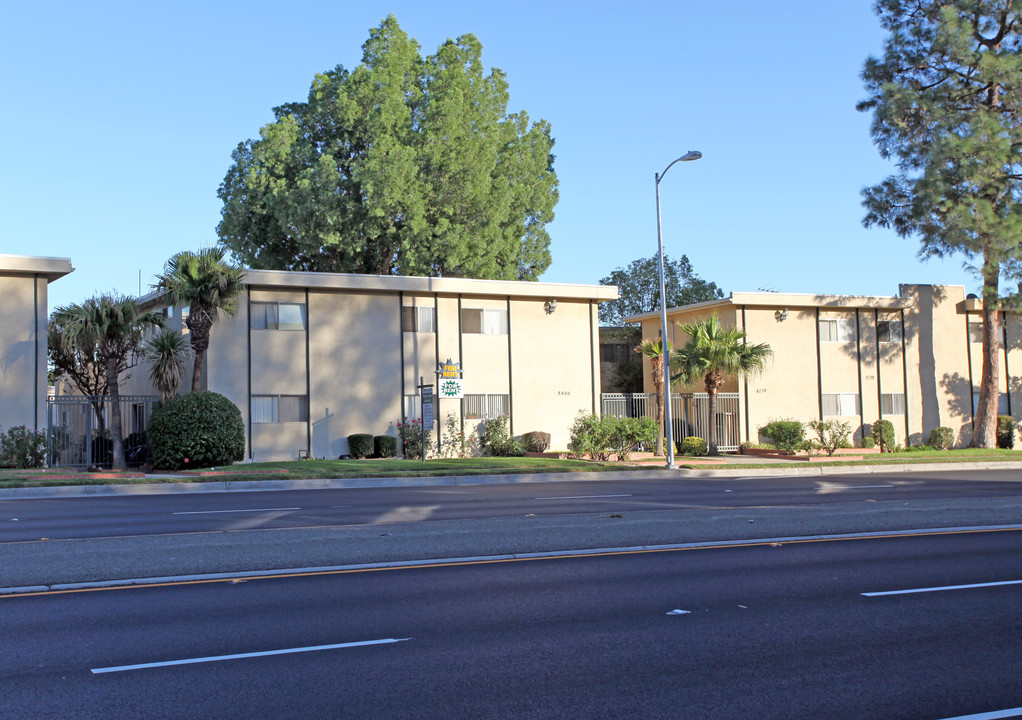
<point x="78" y="427"/>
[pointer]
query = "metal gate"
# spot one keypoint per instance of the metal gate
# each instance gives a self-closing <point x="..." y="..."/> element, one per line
<point x="689" y="414"/>
<point x="78" y="427"/>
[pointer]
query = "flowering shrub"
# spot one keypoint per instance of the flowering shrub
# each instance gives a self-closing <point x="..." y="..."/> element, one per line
<point x="497" y="441"/>
<point x="22" y="448"/>
<point x="410" y="432"/>
<point x="454" y="443"/>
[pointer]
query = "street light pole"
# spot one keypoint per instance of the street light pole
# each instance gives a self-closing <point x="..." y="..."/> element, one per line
<point x="690" y="155"/>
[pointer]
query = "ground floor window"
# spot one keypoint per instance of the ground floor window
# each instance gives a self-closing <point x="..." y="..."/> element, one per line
<point x="841" y="404"/>
<point x="892" y="404"/>
<point x="1002" y="402"/>
<point x="485" y="407"/>
<point x="280" y="408"/>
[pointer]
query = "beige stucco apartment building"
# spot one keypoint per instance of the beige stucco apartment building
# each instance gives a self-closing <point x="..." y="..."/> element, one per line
<point x="913" y="359"/>
<point x="311" y="358"/>
<point x="24" y="281"/>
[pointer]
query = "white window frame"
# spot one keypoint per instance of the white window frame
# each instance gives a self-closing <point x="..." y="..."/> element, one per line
<point x="492" y="321"/>
<point x="892" y="404"/>
<point x="837" y="330"/>
<point x="271" y="319"/>
<point x="418" y="319"/>
<point x="841" y="404"/>
<point x="488" y="407"/>
<point x="894" y="331"/>
<point x="269" y="409"/>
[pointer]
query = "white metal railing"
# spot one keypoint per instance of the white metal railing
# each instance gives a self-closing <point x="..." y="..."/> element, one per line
<point x="689" y="414"/>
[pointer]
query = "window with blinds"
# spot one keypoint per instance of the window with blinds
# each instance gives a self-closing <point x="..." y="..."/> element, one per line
<point x="841" y="404"/>
<point x="280" y="408"/>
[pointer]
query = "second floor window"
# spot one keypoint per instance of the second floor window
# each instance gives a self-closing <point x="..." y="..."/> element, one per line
<point x="837" y="330"/>
<point x="277" y="316"/>
<point x="418" y="319"/>
<point x="889" y="331"/>
<point x="480" y="321"/>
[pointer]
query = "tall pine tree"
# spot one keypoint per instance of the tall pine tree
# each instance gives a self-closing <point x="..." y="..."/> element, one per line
<point x="946" y="99"/>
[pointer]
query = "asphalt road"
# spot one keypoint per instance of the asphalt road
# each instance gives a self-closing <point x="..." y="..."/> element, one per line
<point x="118" y="516"/>
<point x="779" y="630"/>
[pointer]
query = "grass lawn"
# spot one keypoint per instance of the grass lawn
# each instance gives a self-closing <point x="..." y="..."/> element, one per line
<point x="897" y="458"/>
<point x="304" y="469"/>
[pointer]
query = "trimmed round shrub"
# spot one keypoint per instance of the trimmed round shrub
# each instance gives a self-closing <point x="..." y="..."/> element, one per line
<point x="536" y="441"/>
<point x="360" y="445"/>
<point x="869" y="442"/>
<point x="384" y="446"/>
<point x="788" y="435"/>
<point x="1005" y="432"/>
<point x="197" y="430"/>
<point x="941" y="438"/>
<point x="692" y="446"/>
<point x="883" y="433"/>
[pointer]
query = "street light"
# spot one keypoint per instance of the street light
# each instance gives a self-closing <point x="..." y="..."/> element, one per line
<point x="690" y="155"/>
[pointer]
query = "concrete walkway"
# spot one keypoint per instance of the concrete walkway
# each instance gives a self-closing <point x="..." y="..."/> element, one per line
<point x="765" y="467"/>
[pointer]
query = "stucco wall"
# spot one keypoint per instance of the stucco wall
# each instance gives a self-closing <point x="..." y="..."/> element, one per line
<point x="23" y="351"/>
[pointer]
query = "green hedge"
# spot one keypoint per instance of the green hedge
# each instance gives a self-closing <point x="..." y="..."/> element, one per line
<point x="197" y="430"/>
<point x="360" y="445"/>
<point x="883" y="433"/>
<point x="385" y="446"/>
<point x="536" y="441"/>
<point x="1005" y="432"/>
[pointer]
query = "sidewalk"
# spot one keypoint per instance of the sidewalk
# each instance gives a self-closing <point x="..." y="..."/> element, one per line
<point x="715" y="470"/>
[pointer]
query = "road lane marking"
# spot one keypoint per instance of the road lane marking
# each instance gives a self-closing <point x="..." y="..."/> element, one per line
<point x="859" y="487"/>
<point x="940" y="589"/>
<point x="214" y="512"/>
<point x="209" y="578"/>
<point x="240" y="656"/>
<point x="579" y="497"/>
<point x="993" y="715"/>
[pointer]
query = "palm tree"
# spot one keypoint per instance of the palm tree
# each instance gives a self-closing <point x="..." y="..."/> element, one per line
<point x="166" y="352"/>
<point x="208" y="286"/>
<point x="113" y="326"/>
<point x="653" y="350"/>
<point x="714" y="352"/>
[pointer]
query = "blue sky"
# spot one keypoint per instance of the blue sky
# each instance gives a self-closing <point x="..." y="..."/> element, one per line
<point x="120" y="118"/>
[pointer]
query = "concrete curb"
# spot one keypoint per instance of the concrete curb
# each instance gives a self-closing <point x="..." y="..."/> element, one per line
<point x="70" y="491"/>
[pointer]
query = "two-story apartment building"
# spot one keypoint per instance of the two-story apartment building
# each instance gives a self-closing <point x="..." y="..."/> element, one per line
<point x="24" y="282"/>
<point x="311" y="357"/>
<point x="913" y="359"/>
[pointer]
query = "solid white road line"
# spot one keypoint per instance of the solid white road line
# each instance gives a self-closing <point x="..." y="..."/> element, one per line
<point x="216" y="658"/>
<point x="994" y="715"/>
<point x="214" y="512"/>
<point x="939" y="589"/>
<point x="580" y="497"/>
<point x="859" y="487"/>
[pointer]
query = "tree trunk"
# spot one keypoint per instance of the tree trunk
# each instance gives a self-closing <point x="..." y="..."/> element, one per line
<point x="200" y="354"/>
<point x="984" y="429"/>
<point x="711" y="392"/>
<point x="115" y="414"/>
<point x="657" y="372"/>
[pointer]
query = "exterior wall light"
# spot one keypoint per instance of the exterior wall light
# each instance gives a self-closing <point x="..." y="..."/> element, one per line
<point x="550" y="305"/>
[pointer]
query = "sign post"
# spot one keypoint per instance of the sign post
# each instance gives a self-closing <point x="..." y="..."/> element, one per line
<point x="426" y="391"/>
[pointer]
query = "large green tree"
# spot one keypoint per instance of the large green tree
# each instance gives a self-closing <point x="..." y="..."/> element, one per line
<point x="712" y="354"/>
<point x="946" y="107"/>
<point x="109" y="328"/>
<point x="639" y="288"/>
<point x="208" y="285"/>
<point x="405" y="165"/>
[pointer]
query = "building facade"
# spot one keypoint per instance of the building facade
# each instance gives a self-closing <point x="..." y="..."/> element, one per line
<point x="24" y="282"/>
<point x="913" y="359"/>
<point x="311" y="358"/>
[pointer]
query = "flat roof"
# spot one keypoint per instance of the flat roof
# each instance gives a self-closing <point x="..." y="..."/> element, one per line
<point x="772" y="299"/>
<point x="51" y="268"/>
